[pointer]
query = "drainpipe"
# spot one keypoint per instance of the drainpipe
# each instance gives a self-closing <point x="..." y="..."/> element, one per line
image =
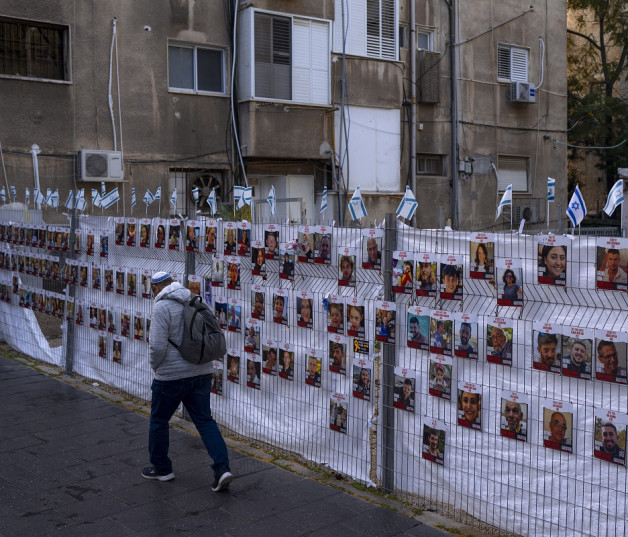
<point x="454" y="114"/>
<point x="413" y="83"/>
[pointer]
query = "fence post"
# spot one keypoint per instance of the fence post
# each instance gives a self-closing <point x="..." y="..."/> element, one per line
<point x="388" y="364"/>
<point x="71" y="292"/>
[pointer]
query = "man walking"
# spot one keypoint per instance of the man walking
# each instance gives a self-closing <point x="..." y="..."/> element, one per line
<point x="177" y="380"/>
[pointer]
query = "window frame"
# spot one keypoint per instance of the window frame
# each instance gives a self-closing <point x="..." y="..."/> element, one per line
<point x="293" y="58"/>
<point x="429" y="33"/>
<point x="515" y="73"/>
<point x="65" y="61"/>
<point x="195" y="47"/>
<point x="430" y="157"/>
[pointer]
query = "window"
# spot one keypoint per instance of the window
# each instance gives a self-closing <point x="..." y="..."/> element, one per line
<point x="283" y="57"/>
<point x="381" y="25"/>
<point x="512" y="171"/>
<point x="196" y="69"/>
<point x="512" y="63"/>
<point x="273" y="53"/>
<point x="367" y="28"/>
<point x="424" y="40"/>
<point x="33" y="50"/>
<point x="427" y="164"/>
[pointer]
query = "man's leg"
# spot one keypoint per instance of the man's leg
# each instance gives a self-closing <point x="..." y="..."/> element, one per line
<point x="166" y="397"/>
<point x="197" y="403"/>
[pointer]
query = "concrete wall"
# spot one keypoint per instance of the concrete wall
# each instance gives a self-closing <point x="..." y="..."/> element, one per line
<point x="489" y="125"/>
<point x="157" y="126"/>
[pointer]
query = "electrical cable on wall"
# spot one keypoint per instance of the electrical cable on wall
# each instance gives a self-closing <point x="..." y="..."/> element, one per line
<point x="233" y="65"/>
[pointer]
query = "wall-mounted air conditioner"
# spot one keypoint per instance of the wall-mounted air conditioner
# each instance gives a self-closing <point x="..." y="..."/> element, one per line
<point x="522" y="92"/>
<point x="527" y="209"/>
<point x="97" y="165"/>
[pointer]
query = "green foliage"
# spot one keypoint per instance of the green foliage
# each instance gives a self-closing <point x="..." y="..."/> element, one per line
<point x="597" y="63"/>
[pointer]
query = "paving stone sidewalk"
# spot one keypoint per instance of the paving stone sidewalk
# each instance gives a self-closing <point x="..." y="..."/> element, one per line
<point x="70" y="464"/>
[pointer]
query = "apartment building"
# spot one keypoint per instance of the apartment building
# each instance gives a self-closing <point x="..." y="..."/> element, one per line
<point x="296" y="94"/>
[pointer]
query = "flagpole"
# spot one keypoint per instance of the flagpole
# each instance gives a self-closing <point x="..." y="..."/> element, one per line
<point x="547" y="212"/>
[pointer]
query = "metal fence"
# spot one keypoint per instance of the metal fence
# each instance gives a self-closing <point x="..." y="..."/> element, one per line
<point x="359" y="390"/>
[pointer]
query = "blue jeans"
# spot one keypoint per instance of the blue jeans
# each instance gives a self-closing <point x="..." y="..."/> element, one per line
<point x="194" y="392"/>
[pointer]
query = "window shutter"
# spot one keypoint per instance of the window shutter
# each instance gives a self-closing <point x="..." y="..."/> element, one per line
<point x="381" y="29"/>
<point x="519" y="64"/>
<point x="355" y="20"/>
<point x="503" y="62"/>
<point x="429" y="76"/>
<point x="272" y="57"/>
<point x="512" y="171"/>
<point x="310" y="47"/>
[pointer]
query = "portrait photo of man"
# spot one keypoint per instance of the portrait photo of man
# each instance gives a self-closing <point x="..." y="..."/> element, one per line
<point x="499" y="344"/>
<point x="465" y="336"/>
<point x="557" y="429"/>
<point x="547" y="354"/>
<point x="514" y="419"/>
<point x="433" y="445"/>
<point x="404" y="393"/>
<point x="611" y="361"/>
<point x="609" y="440"/>
<point x="416" y="337"/>
<point x="371" y="253"/>
<point x="610" y="274"/>
<point x="577" y="363"/>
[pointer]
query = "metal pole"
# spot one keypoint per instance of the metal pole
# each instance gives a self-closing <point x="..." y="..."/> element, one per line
<point x="454" y="113"/>
<point x="336" y="182"/>
<point x="388" y="364"/>
<point x="71" y="292"/>
<point x="413" y="121"/>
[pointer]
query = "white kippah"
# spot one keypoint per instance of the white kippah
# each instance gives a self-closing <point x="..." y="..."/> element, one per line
<point x="159" y="277"/>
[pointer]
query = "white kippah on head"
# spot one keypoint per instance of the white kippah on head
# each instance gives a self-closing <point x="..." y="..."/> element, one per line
<point x="159" y="277"/>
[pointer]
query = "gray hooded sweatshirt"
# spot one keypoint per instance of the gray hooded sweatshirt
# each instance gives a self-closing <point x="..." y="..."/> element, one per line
<point x="167" y="322"/>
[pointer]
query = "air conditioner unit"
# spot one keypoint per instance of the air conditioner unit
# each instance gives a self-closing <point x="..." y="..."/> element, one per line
<point x="97" y="165"/>
<point x="522" y="92"/>
<point x="527" y="210"/>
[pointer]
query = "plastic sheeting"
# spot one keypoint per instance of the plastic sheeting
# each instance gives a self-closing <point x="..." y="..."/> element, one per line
<point x="522" y="487"/>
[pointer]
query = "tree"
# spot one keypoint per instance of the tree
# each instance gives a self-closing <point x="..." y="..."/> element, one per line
<point x="597" y="67"/>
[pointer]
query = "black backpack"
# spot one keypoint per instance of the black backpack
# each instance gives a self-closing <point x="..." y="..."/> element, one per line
<point x="203" y="339"/>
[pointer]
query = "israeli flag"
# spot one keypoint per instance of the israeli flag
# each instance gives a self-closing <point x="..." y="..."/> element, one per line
<point x="211" y="201"/>
<point x="506" y="200"/>
<point x="54" y="199"/>
<point x="111" y="198"/>
<point x="148" y="197"/>
<point x="551" y="187"/>
<point x="96" y="198"/>
<point x="173" y="198"/>
<point x="133" y="198"/>
<point x="196" y="194"/>
<point x="246" y="198"/>
<point x="81" y="203"/>
<point x="272" y="200"/>
<point x="13" y="191"/>
<point x="3" y="195"/>
<point x="103" y="189"/>
<point x="27" y="195"/>
<point x="408" y="205"/>
<point x="49" y="197"/>
<point x="237" y="194"/>
<point x="69" y="203"/>
<point x="158" y="194"/>
<point x="576" y="210"/>
<point x="324" y="201"/>
<point x="39" y="197"/>
<point x="615" y="197"/>
<point x="356" y="205"/>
